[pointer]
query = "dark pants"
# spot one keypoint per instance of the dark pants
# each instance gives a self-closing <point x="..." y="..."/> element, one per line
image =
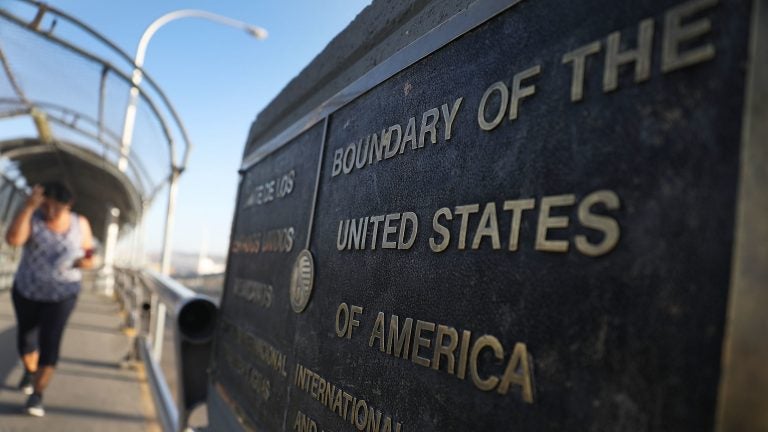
<point x="40" y="326"/>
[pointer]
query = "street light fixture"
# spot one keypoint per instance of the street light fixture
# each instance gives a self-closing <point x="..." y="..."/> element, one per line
<point x="137" y="76"/>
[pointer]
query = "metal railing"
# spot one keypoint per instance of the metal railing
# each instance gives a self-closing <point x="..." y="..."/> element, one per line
<point x="146" y="298"/>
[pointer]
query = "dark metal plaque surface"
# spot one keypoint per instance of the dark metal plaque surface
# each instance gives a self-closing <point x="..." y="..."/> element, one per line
<point x="531" y="228"/>
<point x="254" y="343"/>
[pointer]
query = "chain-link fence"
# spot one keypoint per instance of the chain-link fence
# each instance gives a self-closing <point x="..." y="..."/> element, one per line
<point x="62" y="85"/>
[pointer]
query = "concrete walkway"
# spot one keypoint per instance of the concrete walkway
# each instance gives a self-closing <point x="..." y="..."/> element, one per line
<point x="90" y="391"/>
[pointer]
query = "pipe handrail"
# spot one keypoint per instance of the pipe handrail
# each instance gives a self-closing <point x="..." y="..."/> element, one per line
<point x="172" y="293"/>
<point x="168" y="414"/>
<point x="193" y="317"/>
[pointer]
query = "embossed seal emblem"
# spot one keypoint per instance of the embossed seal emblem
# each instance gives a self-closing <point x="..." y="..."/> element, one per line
<point x="302" y="280"/>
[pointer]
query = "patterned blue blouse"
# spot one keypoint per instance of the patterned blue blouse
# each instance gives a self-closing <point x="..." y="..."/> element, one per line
<point x="46" y="271"/>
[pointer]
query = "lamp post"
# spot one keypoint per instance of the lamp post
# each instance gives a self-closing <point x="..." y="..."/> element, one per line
<point x="127" y="136"/>
<point x="130" y="110"/>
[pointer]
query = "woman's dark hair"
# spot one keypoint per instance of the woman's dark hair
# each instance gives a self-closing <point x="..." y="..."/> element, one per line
<point x="57" y="191"/>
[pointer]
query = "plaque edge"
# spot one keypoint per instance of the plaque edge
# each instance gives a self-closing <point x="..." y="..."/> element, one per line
<point x="454" y="27"/>
<point x="743" y="390"/>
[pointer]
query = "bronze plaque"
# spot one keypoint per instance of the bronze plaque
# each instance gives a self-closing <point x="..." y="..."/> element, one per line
<point x="529" y="226"/>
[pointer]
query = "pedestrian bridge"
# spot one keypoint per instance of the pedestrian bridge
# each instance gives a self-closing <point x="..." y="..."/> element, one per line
<point x="84" y="114"/>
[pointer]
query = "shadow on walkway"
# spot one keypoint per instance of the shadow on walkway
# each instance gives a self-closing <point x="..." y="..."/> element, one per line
<point x="9" y="360"/>
<point x="95" y="375"/>
<point x="89" y="362"/>
<point x="93" y="328"/>
<point x="18" y="410"/>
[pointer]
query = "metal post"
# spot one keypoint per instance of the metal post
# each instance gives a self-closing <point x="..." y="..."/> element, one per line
<point x="110" y="245"/>
<point x="128" y="123"/>
<point x="158" y="308"/>
<point x="139" y="231"/>
<point x="173" y="189"/>
<point x="159" y="332"/>
<point x="153" y="301"/>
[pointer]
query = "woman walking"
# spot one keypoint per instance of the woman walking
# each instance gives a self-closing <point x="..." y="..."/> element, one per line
<point x="57" y="244"/>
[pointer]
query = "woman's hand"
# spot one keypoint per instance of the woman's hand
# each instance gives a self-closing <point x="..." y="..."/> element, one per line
<point x="36" y="198"/>
<point x="21" y="226"/>
<point x="86" y="261"/>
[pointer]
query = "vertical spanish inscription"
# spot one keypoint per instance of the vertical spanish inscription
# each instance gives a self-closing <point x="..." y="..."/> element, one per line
<point x="256" y="332"/>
